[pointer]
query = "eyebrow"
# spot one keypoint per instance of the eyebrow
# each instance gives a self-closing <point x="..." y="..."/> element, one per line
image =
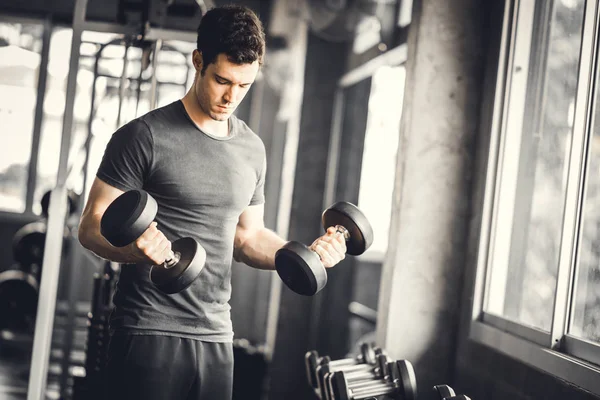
<point x="229" y="81"/>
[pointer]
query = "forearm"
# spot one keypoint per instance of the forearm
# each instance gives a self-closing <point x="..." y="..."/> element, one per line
<point x="258" y="250"/>
<point x="90" y="237"/>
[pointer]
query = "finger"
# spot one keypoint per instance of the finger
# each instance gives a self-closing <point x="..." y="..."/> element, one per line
<point x="339" y="246"/>
<point x="150" y="233"/>
<point x="331" y="231"/>
<point x="326" y="259"/>
<point x="164" y="250"/>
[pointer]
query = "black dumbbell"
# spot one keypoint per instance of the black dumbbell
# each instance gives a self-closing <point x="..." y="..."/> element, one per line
<point x="301" y="269"/>
<point x="128" y="216"/>
<point x="400" y="384"/>
<point x="377" y="373"/>
<point x="445" y="392"/>
<point x="367" y="355"/>
<point x="357" y="371"/>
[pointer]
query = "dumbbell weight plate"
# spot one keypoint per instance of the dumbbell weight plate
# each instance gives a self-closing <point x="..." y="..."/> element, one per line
<point x="444" y="391"/>
<point x="184" y="273"/>
<point x="407" y="378"/>
<point x="300" y="268"/>
<point x="350" y="217"/>
<point x="127" y="217"/>
<point x="28" y="245"/>
<point x="18" y="301"/>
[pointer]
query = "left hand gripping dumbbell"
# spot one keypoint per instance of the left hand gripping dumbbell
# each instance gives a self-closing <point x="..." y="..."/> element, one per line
<point x="300" y="268"/>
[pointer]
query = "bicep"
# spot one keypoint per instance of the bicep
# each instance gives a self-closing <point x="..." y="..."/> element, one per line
<point x="251" y="220"/>
<point x="101" y="195"/>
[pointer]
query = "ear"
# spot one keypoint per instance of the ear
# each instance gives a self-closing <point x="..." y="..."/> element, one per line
<point x="197" y="60"/>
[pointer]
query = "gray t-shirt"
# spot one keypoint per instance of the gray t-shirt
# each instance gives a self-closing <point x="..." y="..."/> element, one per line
<point x="202" y="184"/>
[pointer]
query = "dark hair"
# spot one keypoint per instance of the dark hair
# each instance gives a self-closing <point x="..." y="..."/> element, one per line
<point x="234" y="30"/>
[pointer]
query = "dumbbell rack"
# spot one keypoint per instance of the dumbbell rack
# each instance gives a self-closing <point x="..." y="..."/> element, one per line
<point x="370" y="375"/>
<point x="89" y="386"/>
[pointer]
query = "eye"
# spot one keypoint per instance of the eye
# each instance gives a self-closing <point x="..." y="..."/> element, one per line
<point x="221" y="81"/>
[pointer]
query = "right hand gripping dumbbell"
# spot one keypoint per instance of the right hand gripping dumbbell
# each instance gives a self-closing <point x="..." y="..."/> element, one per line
<point x="301" y="269"/>
<point x="399" y="384"/>
<point x="128" y="217"/>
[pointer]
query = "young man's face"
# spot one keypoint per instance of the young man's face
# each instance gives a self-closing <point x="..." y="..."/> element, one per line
<point x="223" y="86"/>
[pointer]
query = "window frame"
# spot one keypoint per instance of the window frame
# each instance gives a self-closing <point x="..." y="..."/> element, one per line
<point x="570" y="358"/>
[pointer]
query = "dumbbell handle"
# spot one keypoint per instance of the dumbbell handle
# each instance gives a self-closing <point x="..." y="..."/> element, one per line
<point x="172" y="259"/>
<point x="374" y="390"/>
<point x="341" y="229"/>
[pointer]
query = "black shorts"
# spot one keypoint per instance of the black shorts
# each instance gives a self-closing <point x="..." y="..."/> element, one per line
<point x="149" y="367"/>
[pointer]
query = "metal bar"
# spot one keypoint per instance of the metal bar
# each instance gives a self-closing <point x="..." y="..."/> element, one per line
<point x="122" y="84"/>
<point x="56" y="220"/>
<point x="584" y="114"/>
<point x="39" y="114"/>
<point x="151" y="33"/>
<point x="395" y="56"/>
<point x="335" y="142"/>
<point x="154" y="80"/>
<point x="498" y="122"/>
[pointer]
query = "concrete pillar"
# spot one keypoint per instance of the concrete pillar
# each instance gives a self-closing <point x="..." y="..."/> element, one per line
<point x="323" y="68"/>
<point x="423" y="270"/>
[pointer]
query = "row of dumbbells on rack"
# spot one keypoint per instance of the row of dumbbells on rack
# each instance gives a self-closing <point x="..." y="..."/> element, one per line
<point x="371" y="375"/>
<point x="89" y="387"/>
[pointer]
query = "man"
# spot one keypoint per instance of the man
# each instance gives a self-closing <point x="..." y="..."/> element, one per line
<point x="206" y="169"/>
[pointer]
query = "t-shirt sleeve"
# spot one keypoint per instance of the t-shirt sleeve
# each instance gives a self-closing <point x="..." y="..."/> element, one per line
<point x="127" y="160"/>
<point x="259" y="193"/>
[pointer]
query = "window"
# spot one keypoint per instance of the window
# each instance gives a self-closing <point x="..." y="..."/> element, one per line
<point x="538" y="282"/>
<point x="20" y="54"/>
<point x="533" y="181"/>
<point x="379" y="154"/>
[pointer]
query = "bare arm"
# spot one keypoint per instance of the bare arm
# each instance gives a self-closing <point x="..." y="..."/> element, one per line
<point x="152" y="247"/>
<point x="254" y="244"/>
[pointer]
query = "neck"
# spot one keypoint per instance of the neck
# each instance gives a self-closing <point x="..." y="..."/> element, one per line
<point x="201" y="119"/>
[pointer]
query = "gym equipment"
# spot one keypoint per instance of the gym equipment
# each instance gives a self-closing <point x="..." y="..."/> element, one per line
<point x="361" y="370"/>
<point x="89" y="386"/>
<point x="18" y="300"/>
<point x="72" y="200"/>
<point x="445" y="392"/>
<point x="28" y="246"/>
<point x="366" y="355"/>
<point x="128" y="216"/>
<point x="400" y="384"/>
<point x="250" y="370"/>
<point x="377" y="373"/>
<point x="301" y="269"/>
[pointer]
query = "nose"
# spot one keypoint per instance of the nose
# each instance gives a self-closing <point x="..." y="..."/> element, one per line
<point x="231" y="94"/>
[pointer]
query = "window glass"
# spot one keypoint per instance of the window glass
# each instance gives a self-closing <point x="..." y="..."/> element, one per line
<point x="586" y="307"/>
<point x="379" y="156"/>
<point x="525" y="256"/>
<point x="20" y="49"/>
